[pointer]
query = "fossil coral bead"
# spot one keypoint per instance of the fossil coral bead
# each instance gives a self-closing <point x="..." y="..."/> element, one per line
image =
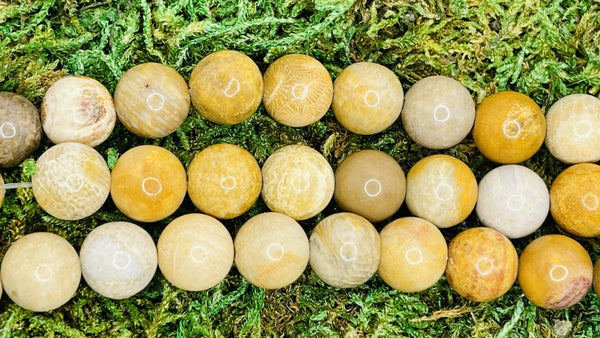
<point x="78" y="109"/>
<point x="152" y="100"/>
<point x="20" y="129"/>
<point x="72" y="181"/>
<point x="148" y="183"/>
<point x="40" y="271"/>
<point x="297" y="90"/>
<point x="367" y="98"/>
<point x="226" y="87"/>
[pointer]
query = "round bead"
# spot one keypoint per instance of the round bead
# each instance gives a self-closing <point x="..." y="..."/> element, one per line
<point x="72" y="181"/>
<point x="509" y="127"/>
<point x="40" y="271"/>
<point x="441" y="189"/>
<point x="20" y="129"/>
<point x="367" y="98"/>
<point x="195" y="252"/>
<point x="575" y="199"/>
<point x="226" y="87"/>
<point x="344" y="250"/>
<point x="224" y="180"/>
<point x="118" y="259"/>
<point x="297" y="181"/>
<point x="271" y="250"/>
<point x="298" y="90"/>
<point x="438" y="112"/>
<point x="1" y="191"/>
<point x="573" y="129"/>
<point x="148" y="183"/>
<point x="482" y="264"/>
<point x="596" y="278"/>
<point x="513" y="199"/>
<point x="370" y="183"/>
<point x="78" y="109"/>
<point x="413" y="254"/>
<point x="152" y="100"/>
<point x="555" y="272"/>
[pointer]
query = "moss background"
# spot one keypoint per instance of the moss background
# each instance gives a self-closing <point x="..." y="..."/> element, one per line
<point x="545" y="49"/>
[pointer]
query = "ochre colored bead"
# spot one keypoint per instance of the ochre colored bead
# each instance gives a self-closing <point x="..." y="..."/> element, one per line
<point x="482" y="264"/>
<point x="20" y="129"/>
<point x="555" y="272"/>
<point x="148" y="183"/>
<point x="509" y="127"/>
<point x="226" y="87"/>
<point x="367" y="98"/>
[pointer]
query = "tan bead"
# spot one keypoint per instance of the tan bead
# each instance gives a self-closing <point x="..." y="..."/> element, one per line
<point x="555" y="272"/>
<point x="271" y="250"/>
<point x="20" y="129"/>
<point x="441" y="189"/>
<point x="413" y="254"/>
<point x="148" y="183"/>
<point x="297" y="90"/>
<point x="195" y="252"/>
<point x="509" y="127"/>
<point x="118" y="259"/>
<point x="40" y="271"/>
<point x="297" y="181"/>
<point x="573" y="129"/>
<point x="152" y="100"/>
<point x="344" y="250"/>
<point x="367" y="98"/>
<point x="438" y="112"/>
<point x="226" y="87"/>
<point x="575" y="199"/>
<point x="72" y="181"/>
<point x="370" y="183"/>
<point x="482" y="264"/>
<point x="78" y="109"/>
<point x="224" y="180"/>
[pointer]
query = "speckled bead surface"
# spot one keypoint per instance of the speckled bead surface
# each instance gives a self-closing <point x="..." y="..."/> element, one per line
<point x="20" y="129"/>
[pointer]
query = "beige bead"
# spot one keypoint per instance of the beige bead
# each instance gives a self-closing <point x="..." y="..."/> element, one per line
<point x="118" y="259"/>
<point x="297" y="90"/>
<point x="152" y="100"/>
<point x="438" y="112"/>
<point x="224" y="180"/>
<point x="40" y="272"/>
<point x="78" y="109"/>
<point x="20" y="129"/>
<point x="271" y="250"/>
<point x="72" y="181"/>
<point x="195" y="252"/>
<point x="367" y="98"/>
<point x="226" y="87"/>
<point x="344" y="250"/>
<point x="297" y="181"/>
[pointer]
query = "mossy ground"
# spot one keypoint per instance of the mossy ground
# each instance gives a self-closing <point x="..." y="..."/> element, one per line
<point x="545" y="49"/>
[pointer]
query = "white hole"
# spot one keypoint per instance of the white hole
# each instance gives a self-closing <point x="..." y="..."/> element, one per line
<point x="198" y="254"/>
<point x="228" y="182"/>
<point x="558" y="273"/>
<point x="155" y="101"/>
<point x="372" y="187"/>
<point x="81" y="115"/>
<point x="444" y="192"/>
<point x="441" y="113"/>
<point x="233" y="87"/>
<point x="149" y="189"/>
<point x="410" y="256"/>
<point x="511" y="128"/>
<point x="303" y="93"/>
<point x="590" y="201"/>
<point x="43" y="273"/>
<point x="583" y="128"/>
<point x="349" y="251"/>
<point x="8" y="130"/>
<point x="121" y="260"/>
<point x="275" y="251"/>
<point x="300" y="182"/>
<point x="484" y="266"/>
<point x="371" y="98"/>
<point x="515" y="202"/>
<point x="74" y="182"/>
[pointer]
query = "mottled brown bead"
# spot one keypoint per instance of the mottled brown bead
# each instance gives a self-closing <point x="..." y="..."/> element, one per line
<point x="20" y="129"/>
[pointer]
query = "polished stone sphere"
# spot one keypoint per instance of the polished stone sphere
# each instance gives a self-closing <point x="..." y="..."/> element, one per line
<point x="20" y="129"/>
